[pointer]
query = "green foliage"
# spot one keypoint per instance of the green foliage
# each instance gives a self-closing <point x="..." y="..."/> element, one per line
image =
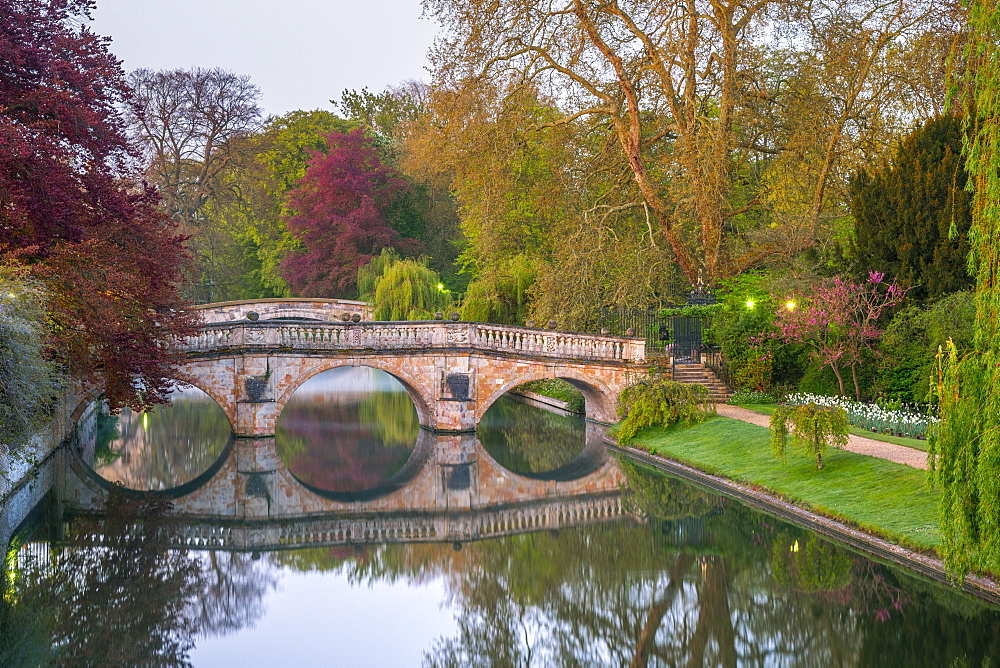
<point x="500" y="294"/>
<point x="813" y="428"/>
<point x="909" y="346"/>
<point x="706" y="311"/>
<point x="243" y="237"/>
<point x="821" y="381"/>
<point x="742" y="326"/>
<point x="912" y="214"/>
<point x="28" y="380"/>
<point x="744" y="397"/>
<point x="529" y="440"/>
<point x="557" y="388"/>
<point x="965" y="445"/>
<point x="401" y="289"/>
<point x="658" y="402"/>
<point x="810" y="565"/>
<point x="655" y="495"/>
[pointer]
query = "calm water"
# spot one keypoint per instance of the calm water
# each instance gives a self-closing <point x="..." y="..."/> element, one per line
<point x="682" y="577"/>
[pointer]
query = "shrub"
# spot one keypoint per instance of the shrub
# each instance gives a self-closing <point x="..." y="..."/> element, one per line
<point x="744" y="397"/>
<point x="813" y="428"/>
<point x="658" y="402"/>
<point x="28" y="380"/>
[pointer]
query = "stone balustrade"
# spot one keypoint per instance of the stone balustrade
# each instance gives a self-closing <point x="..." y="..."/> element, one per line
<point x="309" y="336"/>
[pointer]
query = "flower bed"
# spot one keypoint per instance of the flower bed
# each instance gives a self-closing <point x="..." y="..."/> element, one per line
<point x="898" y="422"/>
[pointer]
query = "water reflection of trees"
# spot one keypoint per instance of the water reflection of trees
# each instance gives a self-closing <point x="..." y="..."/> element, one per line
<point x="116" y="595"/>
<point x="344" y="444"/>
<point x="526" y="439"/>
<point x="164" y="448"/>
<point x="705" y="582"/>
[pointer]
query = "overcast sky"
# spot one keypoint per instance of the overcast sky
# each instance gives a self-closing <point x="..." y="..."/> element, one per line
<point x="300" y="53"/>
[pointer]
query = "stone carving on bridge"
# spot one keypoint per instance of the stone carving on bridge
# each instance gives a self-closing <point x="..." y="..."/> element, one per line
<point x="458" y="336"/>
<point x="255" y="335"/>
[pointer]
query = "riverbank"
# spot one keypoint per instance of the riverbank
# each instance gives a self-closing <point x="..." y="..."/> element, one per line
<point x="884" y="509"/>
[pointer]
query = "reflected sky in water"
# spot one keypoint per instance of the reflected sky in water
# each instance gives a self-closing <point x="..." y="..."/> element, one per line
<point x="159" y="450"/>
<point x="347" y="430"/>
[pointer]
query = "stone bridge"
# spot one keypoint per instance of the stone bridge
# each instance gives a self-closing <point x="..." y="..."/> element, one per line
<point x="302" y="308"/>
<point x="450" y="490"/>
<point x="453" y="371"/>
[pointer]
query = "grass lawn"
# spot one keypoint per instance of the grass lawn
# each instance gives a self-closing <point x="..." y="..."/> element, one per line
<point x="885" y="498"/>
<point x="767" y="409"/>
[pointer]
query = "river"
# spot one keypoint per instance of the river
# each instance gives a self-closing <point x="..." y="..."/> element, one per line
<point x="524" y="544"/>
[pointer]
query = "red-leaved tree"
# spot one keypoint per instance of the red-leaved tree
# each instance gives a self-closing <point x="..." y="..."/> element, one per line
<point x="339" y="217"/>
<point x="73" y="208"/>
<point x="839" y="321"/>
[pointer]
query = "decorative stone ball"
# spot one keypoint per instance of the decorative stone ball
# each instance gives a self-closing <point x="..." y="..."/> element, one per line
<point x="530" y="323"/>
<point x="253" y="315"/>
<point x="346" y="317"/>
<point x="456" y="546"/>
<point x="455" y="317"/>
<point x="605" y="331"/>
<point x="356" y="317"/>
<point x="630" y="331"/>
<point x="438" y="315"/>
<point x="552" y="324"/>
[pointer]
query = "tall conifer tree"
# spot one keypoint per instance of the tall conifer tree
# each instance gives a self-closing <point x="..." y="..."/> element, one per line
<point x="912" y="214"/>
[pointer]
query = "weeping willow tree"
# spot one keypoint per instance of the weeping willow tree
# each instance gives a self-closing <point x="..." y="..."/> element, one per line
<point x="402" y="289"/>
<point x="965" y="448"/>
<point x="500" y="294"/>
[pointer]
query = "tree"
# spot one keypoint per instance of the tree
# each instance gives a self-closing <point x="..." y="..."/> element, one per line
<point x="839" y="321"/>
<point x="244" y="225"/>
<point x="965" y="445"/>
<point x="339" y="216"/>
<point x="658" y="402"/>
<point x="734" y="146"/>
<point x="401" y="289"/>
<point x="192" y="125"/>
<point x="911" y="215"/>
<point x="813" y="428"/>
<point x="73" y="209"/>
<point x="187" y="120"/>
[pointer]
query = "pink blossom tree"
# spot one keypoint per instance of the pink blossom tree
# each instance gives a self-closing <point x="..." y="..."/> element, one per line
<point x="839" y="320"/>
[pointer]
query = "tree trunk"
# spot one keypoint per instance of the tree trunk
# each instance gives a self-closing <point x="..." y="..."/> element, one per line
<point x="840" y="379"/>
<point x="854" y="377"/>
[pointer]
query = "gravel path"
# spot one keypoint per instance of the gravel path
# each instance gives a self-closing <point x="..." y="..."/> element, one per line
<point x="859" y="444"/>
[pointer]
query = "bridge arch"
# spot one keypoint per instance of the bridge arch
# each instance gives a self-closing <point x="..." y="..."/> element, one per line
<point x="216" y="393"/>
<point x="420" y="396"/>
<point x="598" y="397"/>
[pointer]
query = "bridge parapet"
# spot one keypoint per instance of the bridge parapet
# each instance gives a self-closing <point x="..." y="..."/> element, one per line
<point x="331" y="310"/>
<point x="422" y="335"/>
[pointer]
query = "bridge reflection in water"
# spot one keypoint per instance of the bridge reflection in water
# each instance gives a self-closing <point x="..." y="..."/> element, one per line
<point x="451" y="489"/>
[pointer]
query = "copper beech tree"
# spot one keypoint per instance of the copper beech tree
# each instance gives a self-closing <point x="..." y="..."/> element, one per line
<point x="74" y="210"/>
<point x="339" y="216"/>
